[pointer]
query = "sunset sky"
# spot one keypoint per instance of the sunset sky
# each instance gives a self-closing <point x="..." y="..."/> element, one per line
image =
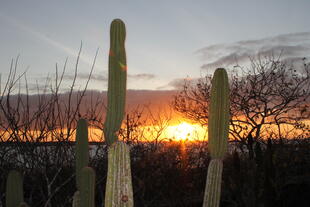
<point x="167" y="40"/>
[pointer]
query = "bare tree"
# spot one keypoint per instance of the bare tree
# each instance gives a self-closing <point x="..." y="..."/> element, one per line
<point x="37" y="130"/>
<point x="268" y="99"/>
<point x="142" y="125"/>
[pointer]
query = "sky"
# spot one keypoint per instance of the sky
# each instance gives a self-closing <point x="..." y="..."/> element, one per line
<point x="167" y="40"/>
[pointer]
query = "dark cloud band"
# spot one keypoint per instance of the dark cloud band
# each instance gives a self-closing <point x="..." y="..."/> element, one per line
<point x="289" y="46"/>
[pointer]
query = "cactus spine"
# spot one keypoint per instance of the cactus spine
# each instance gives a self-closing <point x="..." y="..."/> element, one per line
<point x="82" y="156"/>
<point x="14" y="189"/>
<point x="218" y="127"/>
<point x="119" y="185"/>
<point x="87" y="195"/>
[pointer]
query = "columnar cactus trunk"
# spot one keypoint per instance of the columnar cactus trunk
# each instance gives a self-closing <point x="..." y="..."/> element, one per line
<point x="14" y="189"/>
<point x="119" y="185"/>
<point x="23" y="204"/>
<point x="218" y="126"/>
<point x="82" y="158"/>
<point x="117" y="81"/>
<point x="81" y="149"/>
<point x="76" y="199"/>
<point x="87" y="195"/>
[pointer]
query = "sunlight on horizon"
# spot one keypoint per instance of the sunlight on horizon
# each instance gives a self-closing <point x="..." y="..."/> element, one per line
<point x="181" y="132"/>
<point x="185" y="132"/>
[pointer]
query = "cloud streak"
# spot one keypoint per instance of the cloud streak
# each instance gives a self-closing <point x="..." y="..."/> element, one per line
<point x="179" y="83"/>
<point x="25" y="28"/>
<point x="141" y="76"/>
<point x="104" y="77"/>
<point x="289" y="46"/>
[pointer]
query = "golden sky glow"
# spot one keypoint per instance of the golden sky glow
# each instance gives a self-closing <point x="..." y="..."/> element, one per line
<point x="182" y="131"/>
<point x="185" y="131"/>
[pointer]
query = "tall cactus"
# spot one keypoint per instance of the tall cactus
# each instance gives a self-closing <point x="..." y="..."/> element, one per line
<point x="119" y="185"/>
<point x="76" y="199"/>
<point x="87" y="195"/>
<point x="117" y="81"/>
<point x="23" y="204"/>
<point x="14" y="189"/>
<point x="82" y="153"/>
<point x="82" y="158"/>
<point x="218" y="136"/>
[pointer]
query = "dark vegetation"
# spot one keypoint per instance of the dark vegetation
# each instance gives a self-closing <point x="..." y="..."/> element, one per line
<point x="172" y="174"/>
<point x="264" y="165"/>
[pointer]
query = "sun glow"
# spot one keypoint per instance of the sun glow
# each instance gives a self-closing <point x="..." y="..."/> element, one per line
<point x="184" y="131"/>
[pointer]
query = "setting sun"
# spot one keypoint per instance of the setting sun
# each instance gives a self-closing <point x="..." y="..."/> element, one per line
<point x="184" y="131"/>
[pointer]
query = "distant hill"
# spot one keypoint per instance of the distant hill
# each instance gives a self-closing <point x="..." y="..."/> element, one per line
<point x="154" y="100"/>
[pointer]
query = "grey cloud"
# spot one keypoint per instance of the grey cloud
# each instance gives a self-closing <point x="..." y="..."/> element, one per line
<point x="287" y="50"/>
<point x="178" y="83"/>
<point x="143" y="76"/>
<point x="98" y="77"/>
<point x="230" y="59"/>
<point x="85" y="76"/>
<point x="287" y="45"/>
<point x="45" y="83"/>
<point x="104" y="77"/>
<point x="37" y="88"/>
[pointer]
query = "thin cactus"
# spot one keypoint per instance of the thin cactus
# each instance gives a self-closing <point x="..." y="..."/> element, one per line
<point x="117" y="81"/>
<point x="218" y="136"/>
<point x="87" y="194"/>
<point x="23" y="204"/>
<point x="76" y="199"/>
<point x="82" y="151"/>
<point x="14" y="189"/>
<point x="119" y="184"/>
